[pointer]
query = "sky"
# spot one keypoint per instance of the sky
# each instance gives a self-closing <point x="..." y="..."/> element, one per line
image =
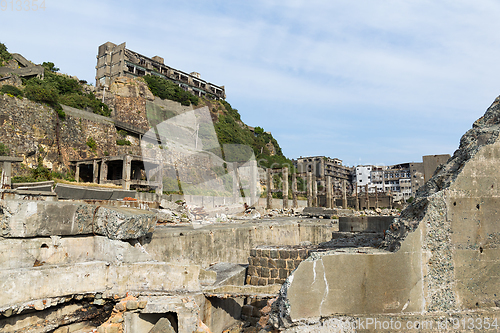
<point x="368" y="82"/>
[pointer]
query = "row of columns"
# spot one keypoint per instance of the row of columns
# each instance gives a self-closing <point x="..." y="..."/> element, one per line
<point x="101" y="178"/>
<point x="311" y="191"/>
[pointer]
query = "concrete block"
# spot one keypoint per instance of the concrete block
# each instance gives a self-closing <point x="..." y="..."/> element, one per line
<point x="331" y="285"/>
<point x="365" y="223"/>
<point x="229" y="274"/>
<point x="43" y="218"/>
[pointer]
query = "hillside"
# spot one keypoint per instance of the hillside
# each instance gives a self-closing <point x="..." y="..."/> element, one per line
<point x="65" y="138"/>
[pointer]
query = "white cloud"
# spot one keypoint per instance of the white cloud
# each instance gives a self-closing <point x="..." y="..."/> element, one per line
<point x="299" y="66"/>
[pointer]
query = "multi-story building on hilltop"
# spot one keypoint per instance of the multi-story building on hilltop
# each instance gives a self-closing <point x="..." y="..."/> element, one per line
<point x="116" y="60"/>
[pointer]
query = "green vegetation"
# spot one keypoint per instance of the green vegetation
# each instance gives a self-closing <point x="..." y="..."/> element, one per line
<point x="122" y="133"/>
<point x="4" y="150"/>
<point x="56" y="89"/>
<point x="42" y="174"/>
<point x="91" y="143"/>
<point x="123" y="142"/>
<point x="11" y="90"/>
<point x="5" y="56"/>
<point x="230" y="130"/>
<point x="168" y="90"/>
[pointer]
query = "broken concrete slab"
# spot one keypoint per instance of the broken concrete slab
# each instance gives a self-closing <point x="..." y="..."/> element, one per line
<point x="231" y="242"/>
<point x="162" y="326"/>
<point x="22" y="286"/>
<point x="41" y="218"/>
<point x="229" y="274"/>
<point x="74" y="192"/>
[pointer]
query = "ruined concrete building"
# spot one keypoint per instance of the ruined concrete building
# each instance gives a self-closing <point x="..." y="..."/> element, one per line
<point x="21" y="67"/>
<point x="115" y="60"/>
<point x="323" y="167"/>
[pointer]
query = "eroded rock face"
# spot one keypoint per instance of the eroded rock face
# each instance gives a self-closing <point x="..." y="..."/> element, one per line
<point x="41" y="218"/>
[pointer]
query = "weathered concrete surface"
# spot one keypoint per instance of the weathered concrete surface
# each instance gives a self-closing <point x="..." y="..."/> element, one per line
<point x="55" y="250"/>
<point x="365" y="223"/>
<point x="232" y="242"/>
<point x="162" y="326"/>
<point x="229" y="274"/>
<point x="73" y="192"/>
<point x="325" y="212"/>
<point x="34" y="219"/>
<point x="358" y="282"/>
<point x="51" y="318"/>
<point x="35" y="195"/>
<point x="22" y="286"/>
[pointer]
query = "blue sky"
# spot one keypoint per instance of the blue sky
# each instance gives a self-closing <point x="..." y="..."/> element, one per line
<point x="369" y="82"/>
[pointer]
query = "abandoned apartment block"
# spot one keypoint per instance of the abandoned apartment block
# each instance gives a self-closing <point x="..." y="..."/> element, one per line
<point x="115" y="60"/>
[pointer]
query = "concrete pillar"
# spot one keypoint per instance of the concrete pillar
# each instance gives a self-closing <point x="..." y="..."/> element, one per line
<point x="77" y="173"/>
<point x="95" y="172"/>
<point x="329" y="192"/>
<point x="285" y="187"/>
<point x="321" y="170"/>
<point x="367" y="198"/>
<point x="344" y="194"/>
<point x="6" y="180"/>
<point x="309" y="190"/>
<point x="253" y="182"/>
<point x="294" y="190"/>
<point x="315" y="191"/>
<point x="376" y="197"/>
<point x="127" y="162"/>
<point x="236" y="188"/>
<point x="269" y="187"/>
<point x="356" y="199"/>
<point x="104" y="171"/>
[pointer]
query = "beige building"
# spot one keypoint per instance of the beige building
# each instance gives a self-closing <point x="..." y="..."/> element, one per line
<point x="116" y="60"/>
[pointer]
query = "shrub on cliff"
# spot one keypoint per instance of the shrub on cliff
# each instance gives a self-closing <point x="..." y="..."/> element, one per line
<point x="8" y="89"/>
<point x="41" y="91"/>
<point x="4" y="150"/>
<point x="56" y="89"/>
<point x="230" y="130"/>
<point x="4" y="54"/>
<point x="168" y="90"/>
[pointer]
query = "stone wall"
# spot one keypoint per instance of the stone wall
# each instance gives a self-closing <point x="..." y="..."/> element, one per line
<point x="273" y="264"/>
<point x="32" y="131"/>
